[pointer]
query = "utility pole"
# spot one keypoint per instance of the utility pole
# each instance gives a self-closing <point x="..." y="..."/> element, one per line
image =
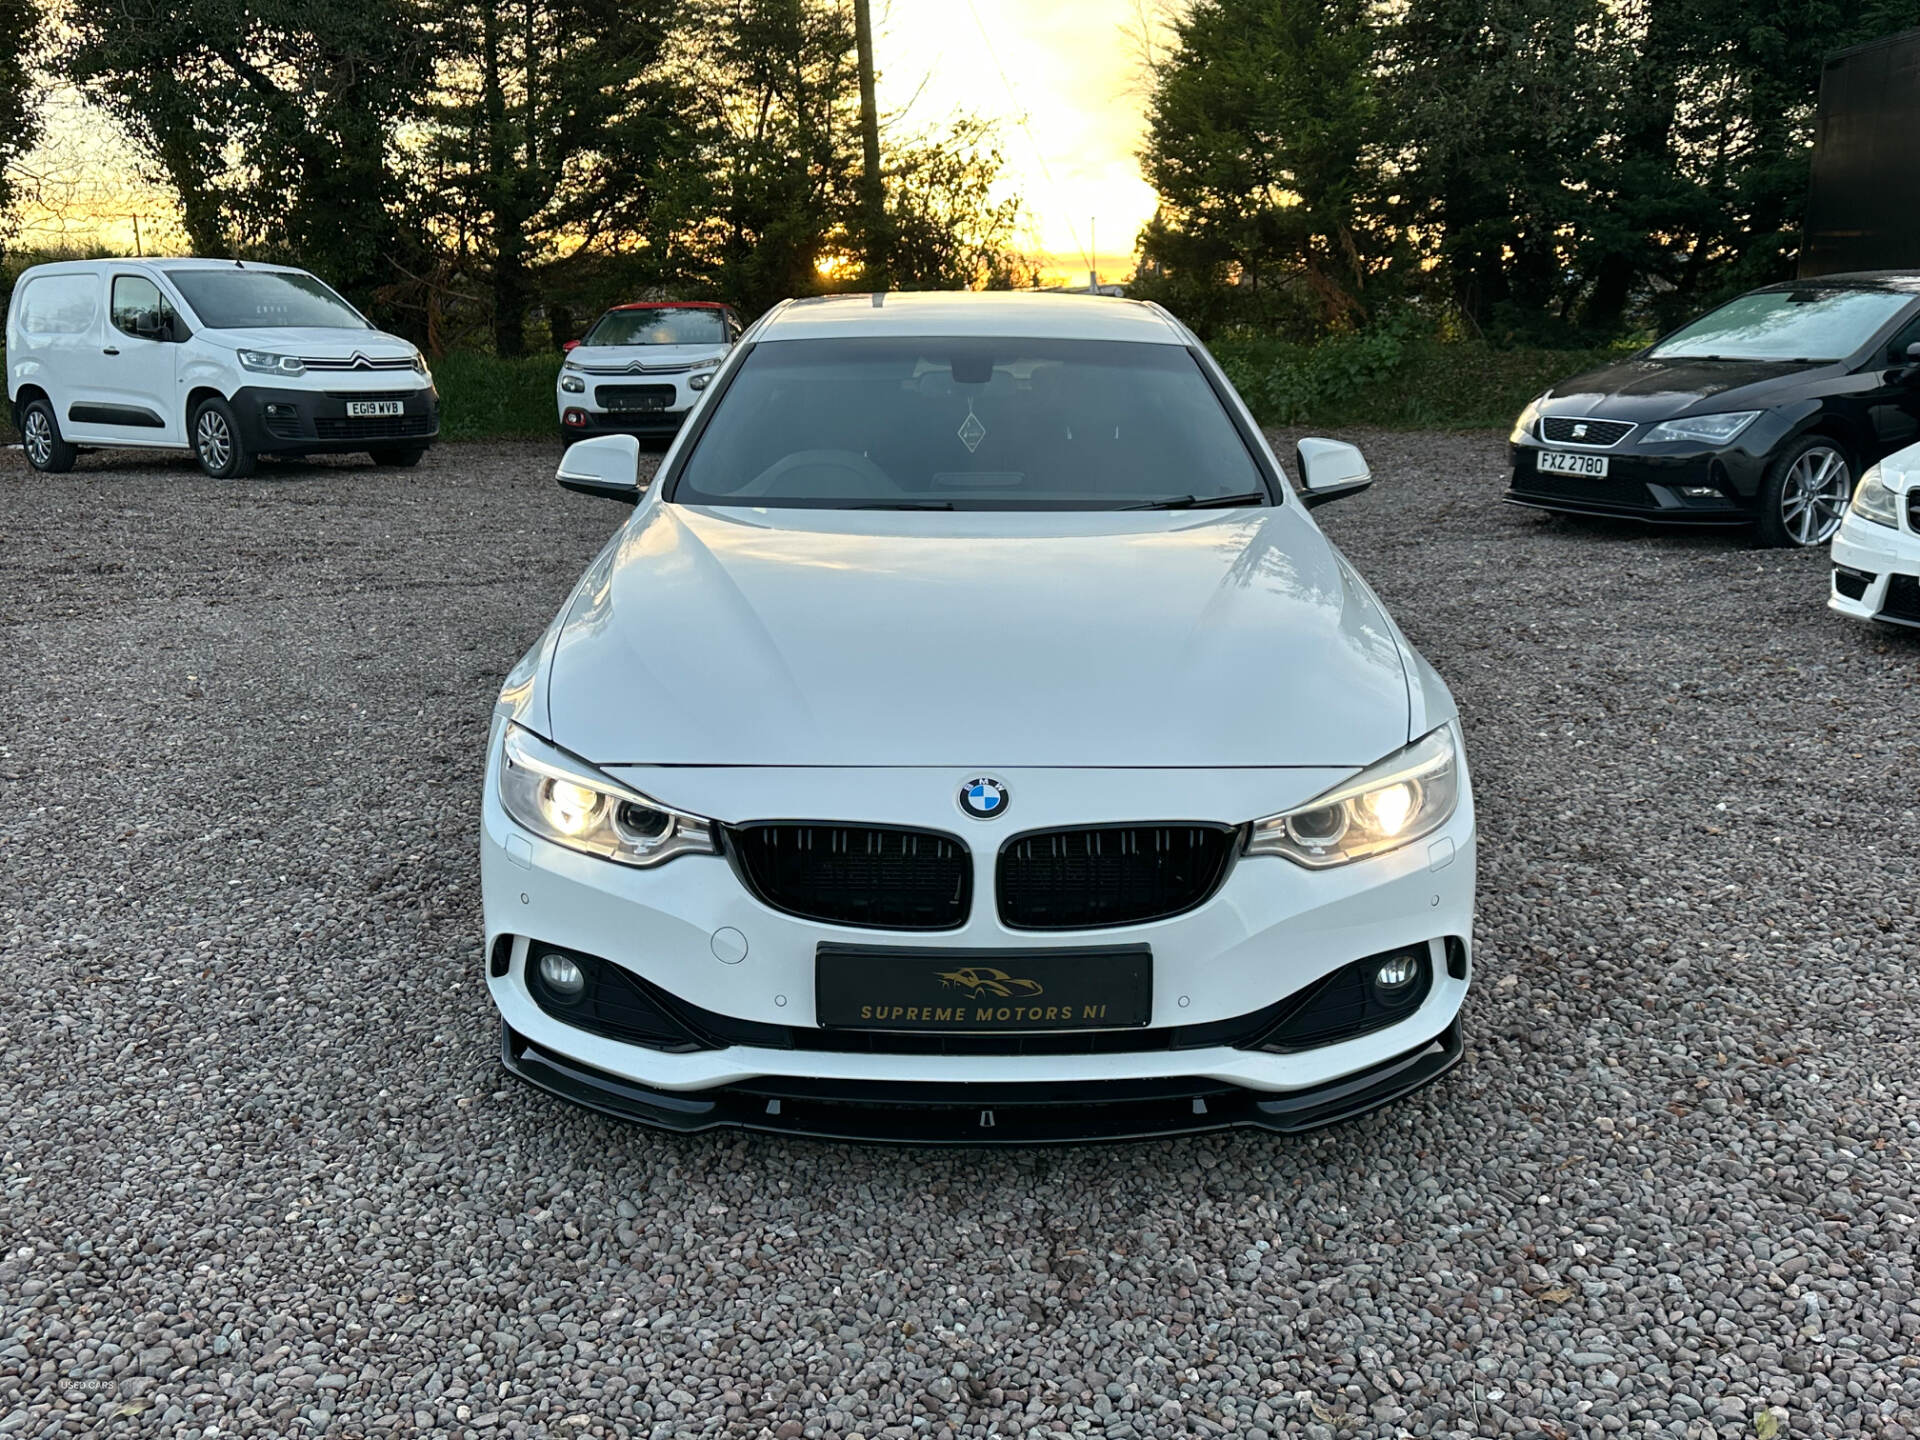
<point x="872" y="195"/>
<point x="1093" y="254"/>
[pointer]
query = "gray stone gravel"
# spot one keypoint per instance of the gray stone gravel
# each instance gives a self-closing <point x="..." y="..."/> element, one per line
<point x="262" y="1175"/>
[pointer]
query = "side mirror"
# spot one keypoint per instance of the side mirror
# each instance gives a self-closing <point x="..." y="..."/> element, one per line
<point x="607" y="466"/>
<point x="1330" y="470"/>
<point x="1913" y="353"/>
<point x="569" y="347"/>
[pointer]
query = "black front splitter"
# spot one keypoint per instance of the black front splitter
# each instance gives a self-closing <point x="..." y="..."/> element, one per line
<point x="982" y="1114"/>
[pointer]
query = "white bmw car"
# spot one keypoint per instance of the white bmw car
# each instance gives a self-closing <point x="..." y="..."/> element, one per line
<point x="1876" y="551"/>
<point x="971" y="737"/>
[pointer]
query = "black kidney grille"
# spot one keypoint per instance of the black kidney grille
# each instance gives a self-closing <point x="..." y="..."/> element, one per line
<point x="1112" y="875"/>
<point x="1573" y="430"/>
<point x="871" y="876"/>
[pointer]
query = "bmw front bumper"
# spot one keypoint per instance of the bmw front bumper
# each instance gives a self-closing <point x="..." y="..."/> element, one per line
<point x="699" y="939"/>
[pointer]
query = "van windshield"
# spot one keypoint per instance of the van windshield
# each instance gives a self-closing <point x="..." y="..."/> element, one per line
<point x="264" y="299"/>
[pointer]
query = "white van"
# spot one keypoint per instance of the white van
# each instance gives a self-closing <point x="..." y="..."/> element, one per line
<point x="228" y="359"/>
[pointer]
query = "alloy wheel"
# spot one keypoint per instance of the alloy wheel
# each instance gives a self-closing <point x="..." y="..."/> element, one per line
<point x="1814" y="498"/>
<point x="213" y="440"/>
<point x="38" y="437"/>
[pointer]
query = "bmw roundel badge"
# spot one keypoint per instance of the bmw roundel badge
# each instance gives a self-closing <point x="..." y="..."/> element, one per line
<point x="984" y="798"/>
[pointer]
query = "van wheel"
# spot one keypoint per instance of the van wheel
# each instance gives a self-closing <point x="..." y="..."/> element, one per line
<point x="217" y="443"/>
<point x="1805" y="495"/>
<point x="399" y="459"/>
<point x="40" y="438"/>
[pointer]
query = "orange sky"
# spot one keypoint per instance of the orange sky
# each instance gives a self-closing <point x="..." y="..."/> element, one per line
<point x="1070" y="72"/>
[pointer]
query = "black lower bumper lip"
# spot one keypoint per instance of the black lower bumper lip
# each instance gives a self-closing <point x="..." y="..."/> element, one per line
<point x="647" y="424"/>
<point x="982" y="1114"/>
<point x="1646" y="515"/>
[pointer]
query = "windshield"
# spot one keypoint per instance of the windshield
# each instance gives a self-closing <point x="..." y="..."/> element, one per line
<point x="249" y="299"/>
<point x="659" y="327"/>
<point x="1785" y="325"/>
<point x="968" y="424"/>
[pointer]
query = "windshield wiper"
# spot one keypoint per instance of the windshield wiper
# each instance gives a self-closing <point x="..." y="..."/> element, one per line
<point x="905" y="505"/>
<point x="1198" y="502"/>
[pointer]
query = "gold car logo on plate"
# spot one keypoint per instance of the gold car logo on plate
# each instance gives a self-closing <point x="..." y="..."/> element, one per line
<point x="980" y="980"/>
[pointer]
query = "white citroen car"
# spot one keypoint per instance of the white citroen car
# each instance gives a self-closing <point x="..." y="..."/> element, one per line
<point x="639" y="369"/>
<point x="1876" y="551"/>
<point x="971" y="737"/>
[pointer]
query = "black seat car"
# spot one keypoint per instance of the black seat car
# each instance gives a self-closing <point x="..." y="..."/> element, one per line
<point x="1764" y="411"/>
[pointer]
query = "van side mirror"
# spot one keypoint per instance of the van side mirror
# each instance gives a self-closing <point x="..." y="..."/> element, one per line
<point x="1330" y="470"/>
<point x="607" y="466"/>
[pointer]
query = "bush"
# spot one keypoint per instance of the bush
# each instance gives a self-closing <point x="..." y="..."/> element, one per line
<point x="483" y="397"/>
<point x="1396" y="376"/>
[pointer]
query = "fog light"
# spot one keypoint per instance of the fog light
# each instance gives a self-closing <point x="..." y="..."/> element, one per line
<point x="282" y="412"/>
<point x="574" y="417"/>
<point x="562" y="977"/>
<point x="1396" y="972"/>
<point x="1698" y="492"/>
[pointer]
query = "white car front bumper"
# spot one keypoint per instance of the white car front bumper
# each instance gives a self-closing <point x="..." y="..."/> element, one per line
<point x="1270" y="931"/>
<point x="1876" y="572"/>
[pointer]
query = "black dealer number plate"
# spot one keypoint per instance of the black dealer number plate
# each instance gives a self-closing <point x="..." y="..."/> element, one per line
<point x="879" y="987"/>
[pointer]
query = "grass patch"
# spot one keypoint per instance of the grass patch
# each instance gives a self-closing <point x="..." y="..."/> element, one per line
<point x="483" y="397"/>
<point x="1398" y="381"/>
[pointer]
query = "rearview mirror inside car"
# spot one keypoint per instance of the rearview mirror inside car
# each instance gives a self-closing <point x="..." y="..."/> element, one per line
<point x="608" y="466"/>
<point x="1330" y="470"/>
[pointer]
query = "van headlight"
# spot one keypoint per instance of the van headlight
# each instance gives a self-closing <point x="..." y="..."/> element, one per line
<point x="266" y="362"/>
<point x="1872" y="500"/>
<point x="1409" y="794"/>
<point x="565" y="800"/>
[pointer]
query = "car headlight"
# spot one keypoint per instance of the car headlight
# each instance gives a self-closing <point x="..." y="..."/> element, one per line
<point x="573" y="385"/>
<point x="567" y="801"/>
<point x="1409" y="794"/>
<point x="1523" y="427"/>
<point x="1872" y="500"/>
<point x="268" y="363"/>
<point x="700" y="380"/>
<point x="1713" y="429"/>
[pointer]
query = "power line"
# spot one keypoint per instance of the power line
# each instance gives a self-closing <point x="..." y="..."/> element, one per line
<point x="1020" y="116"/>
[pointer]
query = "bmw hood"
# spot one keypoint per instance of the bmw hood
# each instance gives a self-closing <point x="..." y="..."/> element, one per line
<point x="869" y="638"/>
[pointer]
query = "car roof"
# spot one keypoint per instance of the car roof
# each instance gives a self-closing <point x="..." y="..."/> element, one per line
<point x="671" y="305"/>
<point x="1029" y="314"/>
<point x="162" y="262"/>
<point x="1906" y="282"/>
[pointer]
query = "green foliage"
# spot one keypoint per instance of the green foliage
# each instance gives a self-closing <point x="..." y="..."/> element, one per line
<point x="485" y="397"/>
<point x="274" y="120"/>
<point x="21" y="24"/>
<point x="1553" y="170"/>
<point x="1394" y="375"/>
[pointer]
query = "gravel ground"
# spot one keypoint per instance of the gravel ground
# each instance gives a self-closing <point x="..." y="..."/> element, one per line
<point x="263" y="1174"/>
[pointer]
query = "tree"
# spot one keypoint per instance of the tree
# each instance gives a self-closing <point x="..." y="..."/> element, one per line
<point x="1496" y="106"/>
<point x="1259" y="121"/>
<point x="551" y="134"/>
<point x="274" y="120"/>
<point x="20" y="30"/>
